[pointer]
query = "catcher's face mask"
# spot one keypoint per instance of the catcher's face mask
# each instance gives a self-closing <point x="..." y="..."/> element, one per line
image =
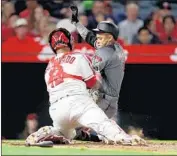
<point x="104" y="39"/>
<point x="60" y="38"/>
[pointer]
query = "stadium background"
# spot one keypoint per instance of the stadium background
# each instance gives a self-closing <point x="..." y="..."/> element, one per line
<point x="148" y="96"/>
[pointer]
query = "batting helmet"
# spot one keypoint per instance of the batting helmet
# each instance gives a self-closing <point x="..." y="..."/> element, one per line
<point x="107" y="27"/>
<point x="59" y="38"/>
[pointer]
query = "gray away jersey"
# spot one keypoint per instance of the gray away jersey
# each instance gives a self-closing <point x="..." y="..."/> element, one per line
<point x="111" y="66"/>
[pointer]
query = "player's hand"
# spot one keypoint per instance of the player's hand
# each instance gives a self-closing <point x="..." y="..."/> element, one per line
<point x="74" y="18"/>
<point x="98" y="76"/>
<point x="94" y="95"/>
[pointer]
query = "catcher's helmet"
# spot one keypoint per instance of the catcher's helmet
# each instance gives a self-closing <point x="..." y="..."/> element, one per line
<point x="60" y="38"/>
<point x="107" y="27"/>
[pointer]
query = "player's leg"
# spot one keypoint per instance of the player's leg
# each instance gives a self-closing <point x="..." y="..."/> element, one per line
<point x="60" y="132"/>
<point x="93" y="117"/>
<point x="45" y="134"/>
<point x="91" y="135"/>
<point x="62" y="123"/>
<point x="109" y="106"/>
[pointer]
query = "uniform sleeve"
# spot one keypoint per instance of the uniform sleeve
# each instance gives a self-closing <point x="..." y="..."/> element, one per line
<point x="87" y="35"/>
<point x="87" y="72"/>
<point x="100" y="60"/>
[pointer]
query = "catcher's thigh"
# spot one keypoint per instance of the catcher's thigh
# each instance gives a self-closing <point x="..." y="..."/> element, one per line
<point x="60" y="114"/>
<point x="96" y="119"/>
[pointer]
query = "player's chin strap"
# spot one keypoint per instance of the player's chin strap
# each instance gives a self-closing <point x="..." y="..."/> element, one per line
<point x="46" y="136"/>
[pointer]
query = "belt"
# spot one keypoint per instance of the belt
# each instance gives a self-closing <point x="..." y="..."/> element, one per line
<point x="105" y="96"/>
<point x="63" y="97"/>
<point x="111" y="101"/>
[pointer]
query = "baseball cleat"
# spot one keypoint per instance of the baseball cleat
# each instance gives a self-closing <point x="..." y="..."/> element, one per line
<point x="126" y="141"/>
<point x="45" y="137"/>
<point x="136" y="140"/>
<point x="121" y="141"/>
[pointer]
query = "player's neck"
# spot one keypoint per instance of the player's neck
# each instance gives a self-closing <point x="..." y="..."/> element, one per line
<point x="63" y="50"/>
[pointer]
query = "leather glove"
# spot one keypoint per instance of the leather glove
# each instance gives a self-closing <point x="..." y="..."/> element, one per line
<point x="74" y="18"/>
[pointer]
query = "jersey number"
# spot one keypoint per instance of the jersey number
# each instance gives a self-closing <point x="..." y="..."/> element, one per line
<point x="55" y="75"/>
<point x="56" y="72"/>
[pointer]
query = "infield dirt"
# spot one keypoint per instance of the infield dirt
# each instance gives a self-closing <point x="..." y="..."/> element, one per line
<point x="152" y="146"/>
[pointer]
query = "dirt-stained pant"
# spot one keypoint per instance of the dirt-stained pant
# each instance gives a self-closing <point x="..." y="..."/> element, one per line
<point x="81" y="111"/>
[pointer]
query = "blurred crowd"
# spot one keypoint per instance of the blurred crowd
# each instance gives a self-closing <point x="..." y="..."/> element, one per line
<point x="27" y="23"/>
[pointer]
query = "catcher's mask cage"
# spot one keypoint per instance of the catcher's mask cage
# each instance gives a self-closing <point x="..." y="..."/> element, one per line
<point x="59" y="39"/>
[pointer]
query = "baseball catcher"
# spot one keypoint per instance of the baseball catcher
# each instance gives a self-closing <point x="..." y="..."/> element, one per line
<point x="67" y="77"/>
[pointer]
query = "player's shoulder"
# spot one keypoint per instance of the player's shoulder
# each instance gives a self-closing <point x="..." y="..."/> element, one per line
<point x="106" y="51"/>
<point x="109" y="52"/>
<point x="78" y="54"/>
<point x="83" y="57"/>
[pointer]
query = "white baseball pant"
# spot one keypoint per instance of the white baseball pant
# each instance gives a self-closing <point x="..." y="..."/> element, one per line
<point x="81" y="111"/>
